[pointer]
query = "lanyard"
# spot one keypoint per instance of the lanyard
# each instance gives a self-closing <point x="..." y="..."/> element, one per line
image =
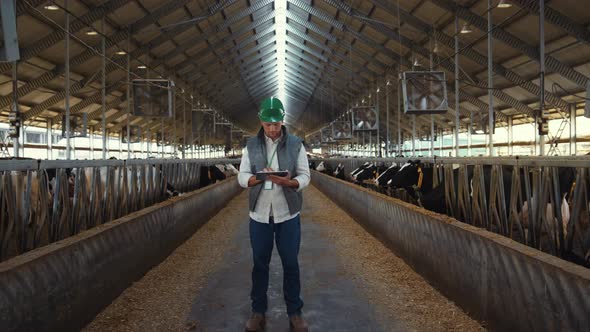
<point x="273" y="156"/>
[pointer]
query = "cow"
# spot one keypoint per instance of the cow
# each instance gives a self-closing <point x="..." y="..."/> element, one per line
<point x="385" y="178"/>
<point x="326" y="168"/>
<point x="366" y="173"/>
<point x="312" y="164"/>
<point x="339" y="172"/>
<point x="358" y="170"/>
<point x="209" y="175"/>
<point x="414" y="178"/>
<point x="227" y="169"/>
<point x="434" y="200"/>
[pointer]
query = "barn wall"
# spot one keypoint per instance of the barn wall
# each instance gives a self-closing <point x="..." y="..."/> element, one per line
<point x="62" y="286"/>
<point x="499" y="281"/>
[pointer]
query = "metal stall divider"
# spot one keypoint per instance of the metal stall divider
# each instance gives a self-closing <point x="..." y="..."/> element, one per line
<point x="518" y="197"/>
<point x="43" y="201"/>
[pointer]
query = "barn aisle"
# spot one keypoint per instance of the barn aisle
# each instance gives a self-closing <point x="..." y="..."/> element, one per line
<point x="350" y="282"/>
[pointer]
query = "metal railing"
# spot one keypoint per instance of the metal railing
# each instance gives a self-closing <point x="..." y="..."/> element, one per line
<point x="43" y="201"/>
<point x="518" y="197"/>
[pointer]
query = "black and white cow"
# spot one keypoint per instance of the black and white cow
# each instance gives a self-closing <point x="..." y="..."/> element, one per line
<point x="415" y="178"/>
<point x="367" y="173"/>
<point x="209" y="175"/>
<point x="312" y="164"/>
<point x="325" y="167"/>
<point x="385" y="178"/>
<point x="228" y="169"/>
<point x="339" y="172"/>
<point x="359" y="169"/>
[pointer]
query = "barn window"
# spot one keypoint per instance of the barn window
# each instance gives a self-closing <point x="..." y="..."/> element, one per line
<point x="34" y="138"/>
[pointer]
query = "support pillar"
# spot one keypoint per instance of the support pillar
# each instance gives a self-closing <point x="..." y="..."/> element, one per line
<point x="490" y="84"/>
<point x="542" y="71"/>
<point x="128" y="92"/>
<point x="413" y="135"/>
<point x="456" y="85"/>
<point x="573" y="131"/>
<point x="67" y="87"/>
<point x="91" y="141"/>
<point x="399" y="117"/>
<point x="388" y="137"/>
<point x="469" y="139"/>
<point x="49" y="139"/>
<point x="15" y="139"/>
<point x="510" y="136"/>
<point x="103" y="94"/>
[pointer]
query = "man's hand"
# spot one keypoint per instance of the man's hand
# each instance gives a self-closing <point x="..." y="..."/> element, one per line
<point x="252" y="181"/>
<point x="284" y="181"/>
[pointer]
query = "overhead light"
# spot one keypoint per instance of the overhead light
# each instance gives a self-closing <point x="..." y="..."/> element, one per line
<point x="120" y="53"/>
<point x="378" y="90"/>
<point x="416" y="62"/>
<point x="504" y="4"/>
<point x="435" y="49"/>
<point x="141" y="67"/>
<point x="51" y="7"/>
<point x="466" y="29"/>
<point x="91" y="33"/>
<point x="388" y="82"/>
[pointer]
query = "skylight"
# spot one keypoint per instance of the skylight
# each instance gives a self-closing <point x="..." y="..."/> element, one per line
<point x="281" y="31"/>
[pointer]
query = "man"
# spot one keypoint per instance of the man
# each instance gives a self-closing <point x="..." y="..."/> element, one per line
<point x="274" y="207"/>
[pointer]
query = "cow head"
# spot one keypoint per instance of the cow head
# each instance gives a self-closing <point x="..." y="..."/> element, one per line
<point x="321" y="167"/>
<point x="367" y="173"/>
<point x="339" y="171"/>
<point x="386" y="176"/>
<point x="358" y="170"/>
<point x="408" y="175"/>
<point x="325" y="168"/>
<point x="215" y="174"/>
<point x="312" y="165"/>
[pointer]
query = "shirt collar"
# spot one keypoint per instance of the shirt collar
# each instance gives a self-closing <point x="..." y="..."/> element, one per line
<point x="270" y="140"/>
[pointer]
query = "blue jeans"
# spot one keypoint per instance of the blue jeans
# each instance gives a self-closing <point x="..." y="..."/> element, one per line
<point x="288" y="237"/>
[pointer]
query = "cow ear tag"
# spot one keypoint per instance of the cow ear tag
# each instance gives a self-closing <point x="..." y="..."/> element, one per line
<point x="267" y="185"/>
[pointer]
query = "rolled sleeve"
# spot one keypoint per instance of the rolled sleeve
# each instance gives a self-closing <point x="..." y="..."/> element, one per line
<point x="244" y="174"/>
<point x="303" y="174"/>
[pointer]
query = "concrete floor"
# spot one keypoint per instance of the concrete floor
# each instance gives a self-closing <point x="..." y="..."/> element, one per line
<point x="350" y="282"/>
<point x="332" y="302"/>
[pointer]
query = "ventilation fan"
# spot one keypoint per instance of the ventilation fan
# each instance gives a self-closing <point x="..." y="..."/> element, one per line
<point x="341" y="130"/>
<point x="480" y="123"/>
<point x="327" y="135"/>
<point x="78" y="125"/>
<point x="314" y="140"/>
<point x="365" y="118"/>
<point x="424" y="92"/>
<point x="134" y="134"/>
<point x="161" y="140"/>
<point x="153" y="97"/>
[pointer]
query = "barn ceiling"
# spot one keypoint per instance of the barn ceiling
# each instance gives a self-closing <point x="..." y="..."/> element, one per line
<point x="320" y="55"/>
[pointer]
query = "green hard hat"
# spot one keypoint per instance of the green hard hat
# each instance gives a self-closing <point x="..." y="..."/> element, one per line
<point x="271" y="110"/>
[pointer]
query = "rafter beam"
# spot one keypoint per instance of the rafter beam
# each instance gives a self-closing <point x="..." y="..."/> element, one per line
<point x="394" y="35"/>
<point x="511" y="40"/>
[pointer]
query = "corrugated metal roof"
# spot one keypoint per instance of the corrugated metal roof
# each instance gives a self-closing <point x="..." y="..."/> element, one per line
<point x="337" y="52"/>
